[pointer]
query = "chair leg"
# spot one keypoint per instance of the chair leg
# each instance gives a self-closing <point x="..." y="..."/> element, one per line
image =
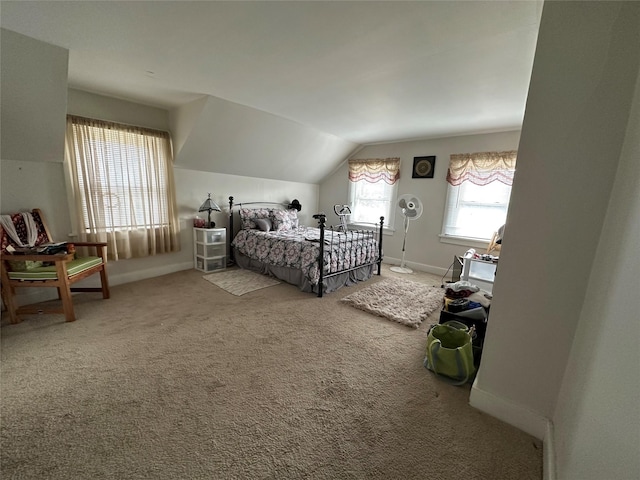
<point x="9" y="299"/>
<point x="65" y="292"/>
<point x="104" y="282"/>
<point x="67" y="306"/>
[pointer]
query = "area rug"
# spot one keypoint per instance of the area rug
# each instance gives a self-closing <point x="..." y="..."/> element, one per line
<point x="238" y="281"/>
<point x="399" y="300"/>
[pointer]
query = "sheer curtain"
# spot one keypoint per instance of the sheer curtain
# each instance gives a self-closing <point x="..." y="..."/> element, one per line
<point x="122" y="184"/>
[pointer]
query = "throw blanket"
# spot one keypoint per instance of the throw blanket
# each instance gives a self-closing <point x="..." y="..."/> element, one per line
<point x="9" y="225"/>
<point x="299" y="248"/>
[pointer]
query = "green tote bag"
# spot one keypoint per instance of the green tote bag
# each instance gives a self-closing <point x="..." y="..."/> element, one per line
<point x="450" y="353"/>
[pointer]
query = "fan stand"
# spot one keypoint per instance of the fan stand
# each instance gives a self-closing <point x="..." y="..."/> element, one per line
<point x="402" y="268"/>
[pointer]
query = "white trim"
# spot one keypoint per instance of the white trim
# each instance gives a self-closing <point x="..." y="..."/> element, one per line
<point x="514" y="414"/>
<point x="149" y="273"/>
<point x="549" y="454"/>
<point x="417" y="266"/>
<point x="465" y="241"/>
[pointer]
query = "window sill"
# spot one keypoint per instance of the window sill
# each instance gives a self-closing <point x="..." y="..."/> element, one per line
<point x="465" y="241"/>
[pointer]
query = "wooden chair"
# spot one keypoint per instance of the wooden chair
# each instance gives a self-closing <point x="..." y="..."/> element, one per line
<point x="496" y="241"/>
<point x="36" y="271"/>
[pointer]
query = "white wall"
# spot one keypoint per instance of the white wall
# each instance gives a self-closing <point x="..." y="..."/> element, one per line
<point x="597" y="419"/>
<point x="33" y="75"/>
<point x="192" y="186"/>
<point x="30" y="184"/>
<point x="583" y="80"/>
<point x="91" y="105"/>
<point x="27" y="185"/>
<point x="424" y="249"/>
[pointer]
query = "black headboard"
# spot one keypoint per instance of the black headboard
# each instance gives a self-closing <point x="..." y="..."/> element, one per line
<point x="293" y="205"/>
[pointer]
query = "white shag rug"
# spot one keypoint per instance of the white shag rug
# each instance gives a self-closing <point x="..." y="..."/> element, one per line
<point x="402" y="301"/>
<point x="238" y="281"/>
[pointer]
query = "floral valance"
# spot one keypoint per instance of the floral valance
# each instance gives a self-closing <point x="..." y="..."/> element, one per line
<point x="482" y="168"/>
<point x="373" y="170"/>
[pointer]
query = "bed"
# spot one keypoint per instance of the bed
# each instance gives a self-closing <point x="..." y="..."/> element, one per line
<point x="318" y="259"/>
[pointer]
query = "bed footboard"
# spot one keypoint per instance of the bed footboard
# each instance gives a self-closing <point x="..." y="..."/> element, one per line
<point x="347" y="249"/>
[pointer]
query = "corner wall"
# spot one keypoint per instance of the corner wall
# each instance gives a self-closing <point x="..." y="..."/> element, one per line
<point x="424" y="249"/>
<point x="583" y="80"/>
<point x="597" y="420"/>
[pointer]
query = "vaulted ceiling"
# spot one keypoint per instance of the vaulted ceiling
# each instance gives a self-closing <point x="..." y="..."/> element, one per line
<point x="362" y="72"/>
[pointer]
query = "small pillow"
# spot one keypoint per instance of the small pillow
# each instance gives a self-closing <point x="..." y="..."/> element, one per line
<point x="284" y="220"/>
<point x="263" y="224"/>
<point x="248" y="215"/>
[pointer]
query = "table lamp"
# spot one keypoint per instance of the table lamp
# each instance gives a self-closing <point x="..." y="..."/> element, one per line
<point x="209" y="206"/>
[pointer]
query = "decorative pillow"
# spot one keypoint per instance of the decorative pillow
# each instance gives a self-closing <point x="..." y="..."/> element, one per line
<point x="263" y="224"/>
<point x="284" y="220"/>
<point x="248" y="215"/>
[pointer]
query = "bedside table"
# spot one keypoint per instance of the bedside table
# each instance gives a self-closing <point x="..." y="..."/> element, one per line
<point x="209" y="249"/>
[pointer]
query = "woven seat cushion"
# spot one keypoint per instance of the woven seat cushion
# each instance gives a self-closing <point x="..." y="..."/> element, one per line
<point x="74" y="267"/>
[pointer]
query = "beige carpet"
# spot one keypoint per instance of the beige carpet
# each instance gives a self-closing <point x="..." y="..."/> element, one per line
<point x="399" y="300"/>
<point x="238" y="282"/>
<point x="174" y="379"/>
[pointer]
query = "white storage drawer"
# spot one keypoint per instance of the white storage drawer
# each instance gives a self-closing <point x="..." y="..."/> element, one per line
<point x="215" y="263"/>
<point x="216" y="250"/>
<point x="478" y="272"/>
<point x="482" y="270"/>
<point x="209" y="249"/>
<point x="210" y="235"/>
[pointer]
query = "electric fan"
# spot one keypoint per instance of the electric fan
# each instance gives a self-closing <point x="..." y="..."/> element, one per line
<point x="411" y="208"/>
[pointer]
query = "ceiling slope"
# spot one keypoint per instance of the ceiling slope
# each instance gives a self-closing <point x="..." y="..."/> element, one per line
<point x="364" y="71"/>
<point x="215" y="135"/>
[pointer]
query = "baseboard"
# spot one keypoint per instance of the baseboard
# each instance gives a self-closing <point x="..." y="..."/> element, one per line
<point x="134" y="276"/>
<point x="512" y="413"/>
<point x="549" y="454"/>
<point x="417" y="266"/>
<point x="29" y="296"/>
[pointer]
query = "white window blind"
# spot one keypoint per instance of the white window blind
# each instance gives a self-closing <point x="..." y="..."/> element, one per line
<point x="370" y="201"/>
<point x="474" y="211"/>
<point x="372" y="190"/>
<point x="478" y="193"/>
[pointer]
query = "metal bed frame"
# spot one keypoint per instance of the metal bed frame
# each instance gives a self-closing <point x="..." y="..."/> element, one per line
<point x="321" y="218"/>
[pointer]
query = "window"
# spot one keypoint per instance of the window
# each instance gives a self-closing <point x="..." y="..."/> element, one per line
<point x="372" y="190"/>
<point x="478" y="194"/>
<point x="123" y="192"/>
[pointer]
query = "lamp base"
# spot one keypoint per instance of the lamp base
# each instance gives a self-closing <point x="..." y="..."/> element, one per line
<point x="212" y="225"/>
<point x="401" y="270"/>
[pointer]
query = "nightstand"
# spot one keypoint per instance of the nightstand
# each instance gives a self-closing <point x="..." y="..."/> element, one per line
<point x="209" y="249"/>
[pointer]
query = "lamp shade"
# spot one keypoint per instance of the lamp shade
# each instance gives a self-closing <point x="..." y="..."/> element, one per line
<point x="209" y="206"/>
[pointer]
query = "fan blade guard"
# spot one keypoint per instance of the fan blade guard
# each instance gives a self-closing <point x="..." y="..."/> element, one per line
<point x="411" y="206"/>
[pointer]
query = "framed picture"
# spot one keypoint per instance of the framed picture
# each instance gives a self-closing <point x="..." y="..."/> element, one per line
<point x="423" y="167"/>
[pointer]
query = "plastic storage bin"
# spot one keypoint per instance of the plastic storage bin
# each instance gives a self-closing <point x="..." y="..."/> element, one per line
<point x="479" y="272"/>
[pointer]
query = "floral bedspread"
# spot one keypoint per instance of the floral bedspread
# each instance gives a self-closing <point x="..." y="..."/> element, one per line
<point x="300" y="248"/>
